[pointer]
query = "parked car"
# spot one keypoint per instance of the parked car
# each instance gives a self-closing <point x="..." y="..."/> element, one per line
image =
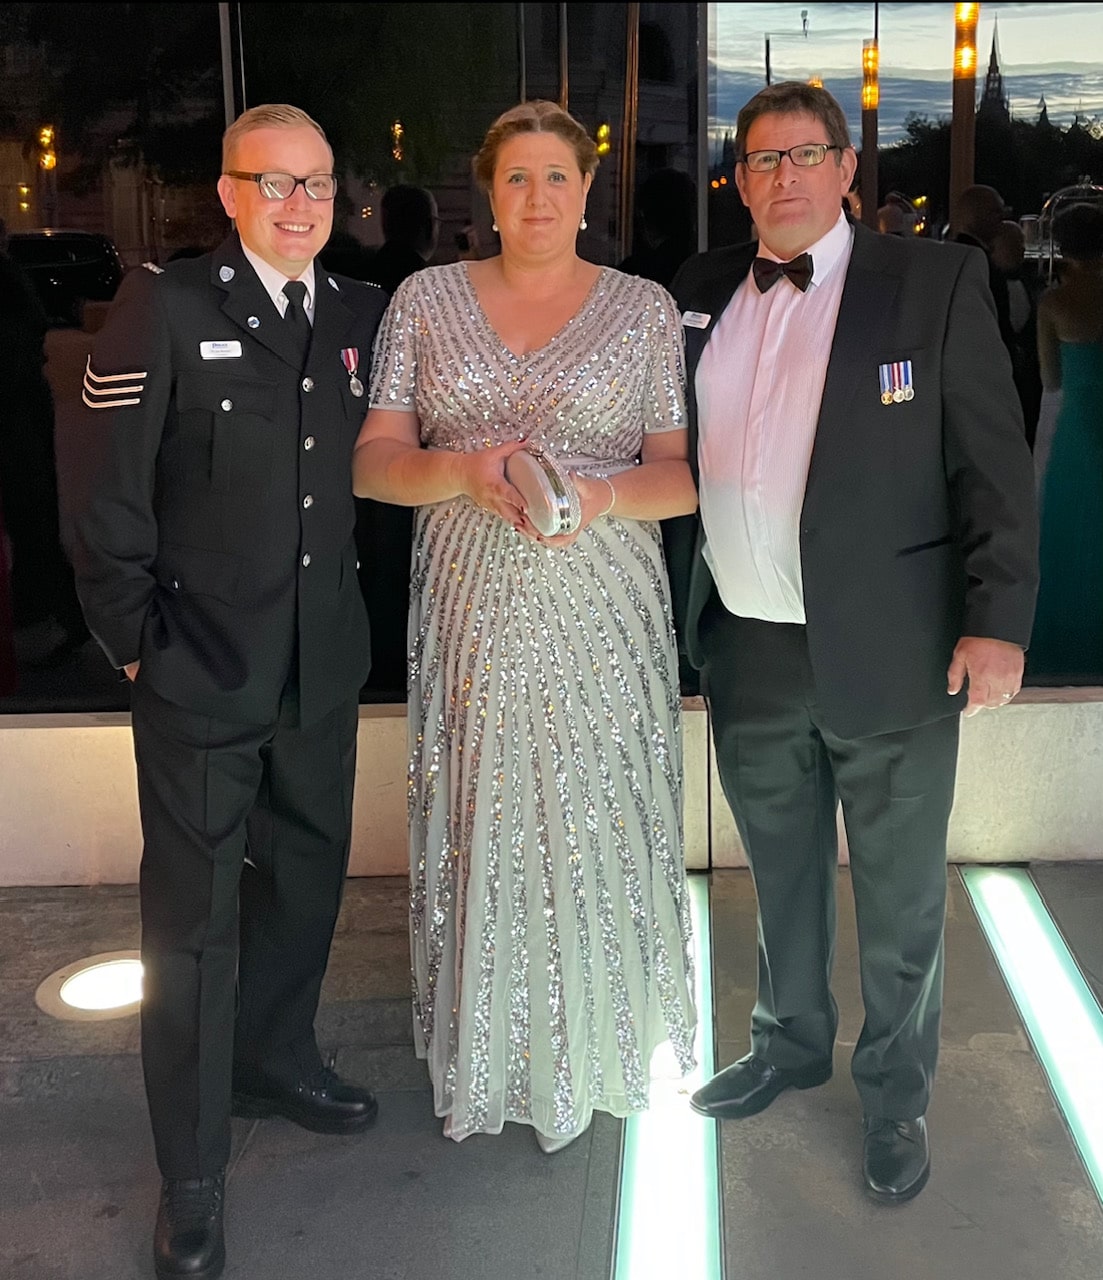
<point x="67" y="268"/>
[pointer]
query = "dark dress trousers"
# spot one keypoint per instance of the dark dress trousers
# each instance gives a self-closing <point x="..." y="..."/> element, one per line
<point x="211" y="504"/>
<point x="918" y="526"/>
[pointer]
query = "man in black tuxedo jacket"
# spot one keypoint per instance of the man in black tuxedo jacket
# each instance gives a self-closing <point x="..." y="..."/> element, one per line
<point x="862" y="569"/>
<point x="212" y="515"/>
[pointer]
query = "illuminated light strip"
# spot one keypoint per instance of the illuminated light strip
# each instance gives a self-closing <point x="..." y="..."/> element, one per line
<point x="1061" y="1015"/>
<point x="669" y="1207"/>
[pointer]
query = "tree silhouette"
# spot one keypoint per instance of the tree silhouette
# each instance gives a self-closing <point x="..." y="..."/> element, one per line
<point x="1025" y="161"/>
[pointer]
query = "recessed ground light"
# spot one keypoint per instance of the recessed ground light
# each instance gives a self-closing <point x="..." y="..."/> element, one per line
<point x="108" y="985"/>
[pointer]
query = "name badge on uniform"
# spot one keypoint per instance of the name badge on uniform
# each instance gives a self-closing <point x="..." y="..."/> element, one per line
<point x="220" y="350"/>
<point x="896" y="382"/>
<point x="696" y="319"/>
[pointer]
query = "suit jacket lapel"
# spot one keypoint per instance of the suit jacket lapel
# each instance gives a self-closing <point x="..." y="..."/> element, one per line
<point x="866" y="308"/>
<point x="710" y="297"/>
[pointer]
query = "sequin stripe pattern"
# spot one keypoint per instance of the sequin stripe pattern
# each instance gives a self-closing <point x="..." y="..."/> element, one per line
<point x="437" y="890"/>
<point x="669" y="854"/>
<point x="473" y="602"/>
<point x="662" y="759"/>
<point x="547" y="885"/>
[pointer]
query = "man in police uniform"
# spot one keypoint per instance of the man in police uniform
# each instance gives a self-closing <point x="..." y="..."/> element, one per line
<point x="213" y="544"/>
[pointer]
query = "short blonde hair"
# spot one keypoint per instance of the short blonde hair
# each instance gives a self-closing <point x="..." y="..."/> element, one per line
<point x="273" y="115"/>
<point x="537" y="116"/>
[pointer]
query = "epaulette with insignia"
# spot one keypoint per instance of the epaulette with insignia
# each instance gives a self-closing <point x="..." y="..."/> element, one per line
<point x="152" y="266"/>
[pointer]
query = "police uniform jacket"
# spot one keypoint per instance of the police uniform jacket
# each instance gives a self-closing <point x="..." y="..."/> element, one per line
<point x="211" y="489"/>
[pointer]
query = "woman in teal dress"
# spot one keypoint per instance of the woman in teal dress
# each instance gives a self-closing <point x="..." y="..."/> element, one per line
<point x="1067" y="644"/>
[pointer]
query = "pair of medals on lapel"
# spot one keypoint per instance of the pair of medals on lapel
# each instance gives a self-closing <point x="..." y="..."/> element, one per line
<point x="896" y="382"/>
<point x="350" y="358"/>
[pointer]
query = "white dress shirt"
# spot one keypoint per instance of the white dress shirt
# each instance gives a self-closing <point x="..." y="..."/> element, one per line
<point x="759" y="384"/>
<point x="274" y="281"/>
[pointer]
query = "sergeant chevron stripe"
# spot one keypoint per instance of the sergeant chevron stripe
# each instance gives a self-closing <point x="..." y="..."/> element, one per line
<point x="106" y="394"/>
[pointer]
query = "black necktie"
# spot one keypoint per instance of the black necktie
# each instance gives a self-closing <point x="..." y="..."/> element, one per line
<point x="767" y="272"/>
<point x="295" y="317"/>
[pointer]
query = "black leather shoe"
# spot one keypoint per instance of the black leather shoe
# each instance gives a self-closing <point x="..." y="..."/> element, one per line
<point x="187" y="1241"/>
<point x="750" y="1085"/>
<point x="896" y="1159"/>
<point x="322" y="1103"/>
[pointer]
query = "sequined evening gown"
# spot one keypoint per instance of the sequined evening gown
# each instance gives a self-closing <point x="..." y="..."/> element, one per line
<point x="549" y="915"/>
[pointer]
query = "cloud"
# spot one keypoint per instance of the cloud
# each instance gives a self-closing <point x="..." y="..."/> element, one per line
<point x="1067" y="94"/>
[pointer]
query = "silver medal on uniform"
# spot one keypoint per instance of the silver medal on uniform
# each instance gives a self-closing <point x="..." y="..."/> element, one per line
<point x="350" y="358"/>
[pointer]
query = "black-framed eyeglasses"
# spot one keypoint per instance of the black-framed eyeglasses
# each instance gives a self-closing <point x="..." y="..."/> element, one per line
<point x="806" y="156"/>
<point x="281" y="186"/>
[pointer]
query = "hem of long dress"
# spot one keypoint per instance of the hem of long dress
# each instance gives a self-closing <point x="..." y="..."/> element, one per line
<point x="619" y="1110"/>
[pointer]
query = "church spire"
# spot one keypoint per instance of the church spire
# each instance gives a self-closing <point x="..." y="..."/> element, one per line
<point x="994" y="101"/>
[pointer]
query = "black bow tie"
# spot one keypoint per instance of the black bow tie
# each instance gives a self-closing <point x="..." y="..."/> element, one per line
<point x="767" y="272"/>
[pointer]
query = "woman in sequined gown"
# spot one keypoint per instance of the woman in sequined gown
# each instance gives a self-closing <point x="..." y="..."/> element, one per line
<point x="1066" y="646"/>
<point x="549" y="913"/>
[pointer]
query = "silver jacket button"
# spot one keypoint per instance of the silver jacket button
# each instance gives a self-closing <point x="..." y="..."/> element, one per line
<point x="306" y="561"/>
<point x="308" y="501"/>
<point x="227" y="405"/>
<point x="308" y="384"/>
<point x="308" y="443"/>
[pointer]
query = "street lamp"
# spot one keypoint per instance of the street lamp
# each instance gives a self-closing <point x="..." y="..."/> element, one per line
<point x="963" y="119"/>
<point x="871" y="97"/>
<point x="47" y="162"/>
<point x="804" y="32"/>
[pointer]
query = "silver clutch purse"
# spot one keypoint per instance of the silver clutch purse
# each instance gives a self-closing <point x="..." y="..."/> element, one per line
<point x="551" y="499"/>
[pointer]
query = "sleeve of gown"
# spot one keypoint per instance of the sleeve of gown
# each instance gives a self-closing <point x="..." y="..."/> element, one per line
<point x="665" y="391"/>
<point x="394" y="355"/>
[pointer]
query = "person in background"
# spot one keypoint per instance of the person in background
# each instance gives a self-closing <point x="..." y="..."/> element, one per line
<point x="46" y="613"/>
<point x="549" y="909"/>
<point x="666" y="208"/>
<point x="383" y="531"/>
<point x="213" y="541"/>
<point x="410" y="228"/>
<point x="1067" y="644"/>
<point x="863" y="570"/>
<point x="1009" y="259"/>
<point x="976" y="218"/>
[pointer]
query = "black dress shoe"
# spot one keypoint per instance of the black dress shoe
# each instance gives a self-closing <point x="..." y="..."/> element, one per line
<point x="187" y="1241"/>
<point x="896" y="1159"/>
<point x="322" y="1103"/>
<point x="750" y="1085"/>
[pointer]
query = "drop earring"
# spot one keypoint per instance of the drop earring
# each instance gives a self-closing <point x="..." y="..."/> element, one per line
<point x="494" y="226"/>
<point x="582" y="224"/>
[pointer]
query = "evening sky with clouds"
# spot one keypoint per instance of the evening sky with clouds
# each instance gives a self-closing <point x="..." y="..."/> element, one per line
<point x="1055" y="49"/>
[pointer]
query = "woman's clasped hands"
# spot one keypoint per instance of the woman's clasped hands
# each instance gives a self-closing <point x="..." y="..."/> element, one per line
<point x="484" y="481"/>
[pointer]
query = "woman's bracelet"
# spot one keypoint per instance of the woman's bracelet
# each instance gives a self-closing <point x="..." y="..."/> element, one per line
<point x="612" y="498"/>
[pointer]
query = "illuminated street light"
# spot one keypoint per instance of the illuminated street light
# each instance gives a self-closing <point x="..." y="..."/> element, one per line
<point x="871" y="88"/>
<point x="963" y="119"/>
<point x="871" y="97"/>
<point x="397" y="134"/>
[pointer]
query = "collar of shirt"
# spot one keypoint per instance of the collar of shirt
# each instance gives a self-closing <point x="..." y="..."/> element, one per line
<point x="274" y="281"/>
<point x="828" y="251"/>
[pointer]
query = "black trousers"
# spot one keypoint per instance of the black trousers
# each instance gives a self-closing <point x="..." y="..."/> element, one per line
<point x="784" y="773"/>
<point x="246" y="839"/>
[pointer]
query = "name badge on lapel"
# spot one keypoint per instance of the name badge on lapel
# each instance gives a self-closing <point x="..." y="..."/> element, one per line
<point x="696" y="319"/>
<point x="896" y="382"/>
<point x="220" y="350"/>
